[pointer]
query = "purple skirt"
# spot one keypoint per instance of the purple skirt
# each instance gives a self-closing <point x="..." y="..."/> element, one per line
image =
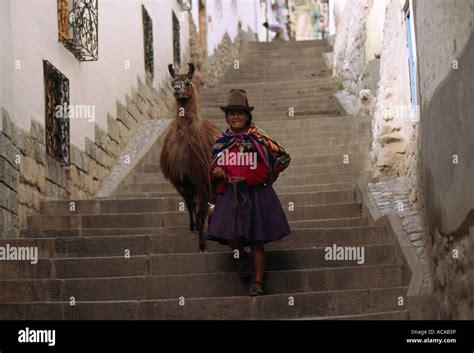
<point x="251" y="213"/>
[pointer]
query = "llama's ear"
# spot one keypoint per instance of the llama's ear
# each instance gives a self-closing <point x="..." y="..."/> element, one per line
<point x="191" y="70"/>
<point x="171" y="70"/>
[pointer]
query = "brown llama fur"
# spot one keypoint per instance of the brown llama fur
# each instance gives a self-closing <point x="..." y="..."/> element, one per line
<point x="187" y="146"/>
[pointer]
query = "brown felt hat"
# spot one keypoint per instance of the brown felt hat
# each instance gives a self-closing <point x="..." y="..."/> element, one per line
<point x="237" y="100"/>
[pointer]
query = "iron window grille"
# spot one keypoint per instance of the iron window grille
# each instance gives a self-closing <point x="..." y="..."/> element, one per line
<point x="176" y="41"/>
<point x="56" y="91"/>
<point x="148" y="41"/>
<point x="78" y="27"/>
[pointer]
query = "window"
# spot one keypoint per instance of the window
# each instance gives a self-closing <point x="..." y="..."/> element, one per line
<point x="176" y="43"/>
<point x="148" y="41"/>
<point x="56" y="94"/>
<point x="409" y="23"/>
<point x="78" y="28"/>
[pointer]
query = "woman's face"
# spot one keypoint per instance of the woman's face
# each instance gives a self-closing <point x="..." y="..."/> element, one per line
<point x="236" y="120"/>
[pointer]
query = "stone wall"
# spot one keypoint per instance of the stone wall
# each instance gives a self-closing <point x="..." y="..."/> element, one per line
<point x="446" y="133"/>
<point x="29" y="175"/>
<point x="209" y="70"/>
<point x="391" y="195"/>
<point x="349" y="45"/>
<point x="396" y="149"/>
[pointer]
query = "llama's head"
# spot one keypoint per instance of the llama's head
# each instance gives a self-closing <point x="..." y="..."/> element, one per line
<point x="181" y="83"/>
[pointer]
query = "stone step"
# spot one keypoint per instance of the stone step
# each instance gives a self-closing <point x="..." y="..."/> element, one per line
<point x="261" y="89"/>
<point x="198" y="286"/>
<point x="328" y="106"/>
<point x="293" y="45"/>
<point x="297" y="103"/>
<point x="315" y="223"/>
<point x="86" y="232"/>
<point x="318" y="179"/>
<point x="276" y="260"/>
<point x="283" y="137"/>
<point x="388" y="315"/>
<point x="273" y="76"/>
<point x="152" y="162"/>
<point x="186" y="242"/>
<point x="183" y="263"/>
<point x="331" y="109"/>
<point x="295" y="125"/>
<point x="89" y="232"/>
<point x="270" y="307"/>
<point x="285" y="181"/>
<point x="280" y="189"/>
<point x="284" y="124"/>
<point x="143" y="195"/>
<point x="175" y="218"/>
<point x="288" y="68"/>
<point x="283" y="94"/>
<point x="146" y="205"/>
<point x="302" y="170"/>
<point x="289" y="51"/>
<point x="288" y="64"/>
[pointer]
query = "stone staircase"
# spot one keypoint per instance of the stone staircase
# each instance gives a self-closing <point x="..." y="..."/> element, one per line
<point x="131" y="256"/>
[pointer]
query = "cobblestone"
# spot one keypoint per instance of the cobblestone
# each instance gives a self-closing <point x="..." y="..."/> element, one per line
<point x="389" y="195"/>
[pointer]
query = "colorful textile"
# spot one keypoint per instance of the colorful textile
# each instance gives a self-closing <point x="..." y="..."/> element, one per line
<point x="269" y="152"/>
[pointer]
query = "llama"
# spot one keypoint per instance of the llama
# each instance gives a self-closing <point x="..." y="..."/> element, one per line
<point x="187" y="146"/>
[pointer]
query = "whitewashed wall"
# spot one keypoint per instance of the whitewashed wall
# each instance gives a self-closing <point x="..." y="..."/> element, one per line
<point x="29" y="34"/>
<point x="223" y="16"/>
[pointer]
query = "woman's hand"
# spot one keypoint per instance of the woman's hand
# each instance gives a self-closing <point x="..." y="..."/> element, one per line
<point x="237" y="179"/>
<point x="218" y="173"/>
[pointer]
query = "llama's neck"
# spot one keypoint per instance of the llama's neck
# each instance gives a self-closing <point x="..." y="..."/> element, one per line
<point x="187" y="113"/>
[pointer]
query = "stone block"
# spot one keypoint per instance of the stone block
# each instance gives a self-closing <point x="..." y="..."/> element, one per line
<point x="101" y="137"/>
<point x="21" y="142"/>
<point x="63" y="194"/>
<point x="8" y="128"/>
<point x="93" y="169"/>
<point x="55" y="172"/>
<point x="134" y="112"/>
<point x="92" y="150"/>
<point x="143" y="89"/>
<point x="72" y="175"/>
<point x="77" y="157"/>
<point x="37" y="198"/>
<point x="10" y="152"/>
<point x="28" y="170"/>
<point x="8" y="174"/>
<point x="41" y="178"/>
<point x="122" y="115"/>
<point x="52" y="190"/>
<point x="22" y="194"/>
<point x="23" y="213"/>
<point x="112" y="128"/>
<point x="8" y="224"/>
<point x="9" y="198"/>
<point x="38" y="151"/>
<point x="37" y="132"/>
<point x="414" y="236"/>
<point x="113" y="148"/>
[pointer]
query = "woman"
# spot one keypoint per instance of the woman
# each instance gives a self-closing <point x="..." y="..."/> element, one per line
<point x="244" y="164"/>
